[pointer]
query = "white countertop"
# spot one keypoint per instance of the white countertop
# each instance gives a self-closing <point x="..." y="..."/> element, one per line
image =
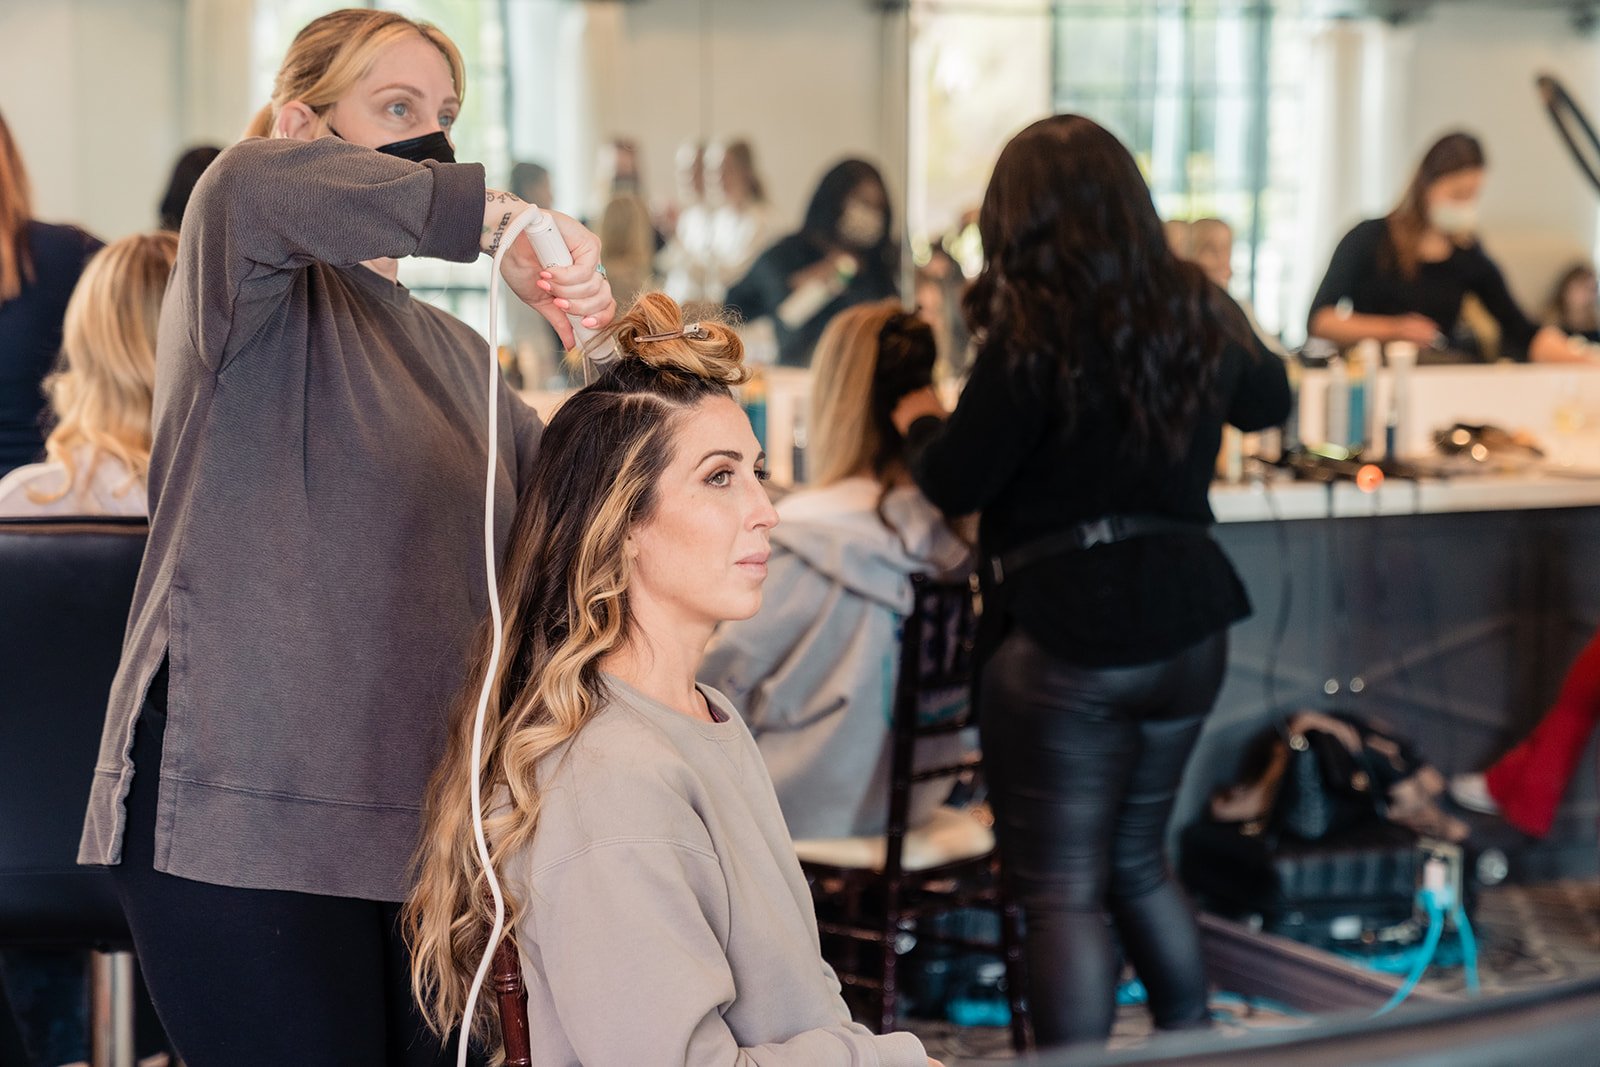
<point x="1282" y="498"/>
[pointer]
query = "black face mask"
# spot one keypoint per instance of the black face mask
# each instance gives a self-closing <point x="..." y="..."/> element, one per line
<point x="435" y="146"/>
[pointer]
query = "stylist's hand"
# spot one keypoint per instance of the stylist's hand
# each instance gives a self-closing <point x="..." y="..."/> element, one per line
<point x="934" y="1063"/>
<point x="556" y="292"/>
<point x="914" y="405"/>
<point x="1418" y="329"/>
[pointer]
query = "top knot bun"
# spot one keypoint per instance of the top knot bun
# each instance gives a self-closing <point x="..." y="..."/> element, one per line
<point x="653" y="332"/>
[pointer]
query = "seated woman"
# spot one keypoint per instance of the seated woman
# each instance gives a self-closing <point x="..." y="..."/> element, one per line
<point x="98" y="454"/>
<point x="1403" y="277"/>
<point x="659" y="911"/>
<point x="97" y="457"/>
<point x="814" y="671"/>
<point x="1574" y="304"/>
<point x="1526" y="785"/>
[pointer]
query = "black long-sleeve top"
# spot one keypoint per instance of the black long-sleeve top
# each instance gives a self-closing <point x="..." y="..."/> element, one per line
<point x="1365" y="270"/>
<point x="766" y="285"/>
<point x="1005" y="451"/>
<point x="30" y="336"/>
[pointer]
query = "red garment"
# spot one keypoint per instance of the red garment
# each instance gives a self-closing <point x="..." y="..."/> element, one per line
<point x="1528" y="781"/>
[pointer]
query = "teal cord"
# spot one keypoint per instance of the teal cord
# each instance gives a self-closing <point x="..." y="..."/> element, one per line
<point x="1430" y="945"/>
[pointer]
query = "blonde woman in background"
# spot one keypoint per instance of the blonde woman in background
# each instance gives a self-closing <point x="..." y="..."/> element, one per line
<point x="660" y="913"/>
<point x="630" y="244"/>
<point x="815" y="669"/>
<point x="98" y="453"/>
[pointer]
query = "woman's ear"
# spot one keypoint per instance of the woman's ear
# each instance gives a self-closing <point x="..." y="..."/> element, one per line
<point x="298" y="121"/>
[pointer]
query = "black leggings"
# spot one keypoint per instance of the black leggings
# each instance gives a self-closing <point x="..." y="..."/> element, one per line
<point x="242" y="977"/>
<point x="1083" y="765"/>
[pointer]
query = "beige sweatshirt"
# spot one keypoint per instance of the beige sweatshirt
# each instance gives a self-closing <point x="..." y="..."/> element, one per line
<point x="666" y="921"/>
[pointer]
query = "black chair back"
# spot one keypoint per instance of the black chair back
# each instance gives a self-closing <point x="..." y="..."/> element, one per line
<point x="65" y="589"/>
<point x="932" y="695"/>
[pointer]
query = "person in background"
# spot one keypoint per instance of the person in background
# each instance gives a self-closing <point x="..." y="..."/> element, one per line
<point x="1210" y="243"/>
<point x="39" y="265"/>
<point x="185" y="172"/>
<point x="531" y="182"/>
<point x="318" y="461"/>
<point x="1086" y="436"/>
<point x="538" y="349"/>
<point x="1403" y="277"/>
<point x="98" y="452"/>
<point x="742" y="225"/>
<point x="814" y="670"/>
<point x="844" y="254"/>
<point x="1525" y="786"/>
<point x="656" y="902"/>
<point x="718" y="236"/>
<point x="630" y="244"/>
<point x="1179" y="233"/>
<point x="686" y="261"/>
<point x="1574" y="304"/>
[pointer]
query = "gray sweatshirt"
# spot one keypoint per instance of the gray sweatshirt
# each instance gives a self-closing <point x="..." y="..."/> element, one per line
<point x="814" y="670"/>
<point x="315" y="564"/>
<point x="666" y="921"/>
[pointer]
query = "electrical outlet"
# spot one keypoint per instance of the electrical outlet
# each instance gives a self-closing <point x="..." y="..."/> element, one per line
<point x="1442" y="872"/>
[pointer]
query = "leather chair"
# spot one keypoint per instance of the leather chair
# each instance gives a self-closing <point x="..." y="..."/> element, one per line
<point x="65" y="590"/>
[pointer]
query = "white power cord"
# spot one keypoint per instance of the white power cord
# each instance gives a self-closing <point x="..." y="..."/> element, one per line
<point x="529" y="218"/>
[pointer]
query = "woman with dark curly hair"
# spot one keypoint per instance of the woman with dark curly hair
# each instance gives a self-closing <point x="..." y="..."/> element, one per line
<point x="1086" y="436"/>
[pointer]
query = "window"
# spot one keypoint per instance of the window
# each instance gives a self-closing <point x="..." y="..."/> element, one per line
<point x="1208" y="96"/>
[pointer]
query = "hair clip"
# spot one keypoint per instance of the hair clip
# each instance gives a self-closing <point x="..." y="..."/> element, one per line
<point x="694" y="331"/>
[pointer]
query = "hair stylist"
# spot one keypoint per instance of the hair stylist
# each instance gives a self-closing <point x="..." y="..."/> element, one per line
<point x="1086" y="436"/>
<point x="1403" y="277"/>
<point x="311" y="584"/>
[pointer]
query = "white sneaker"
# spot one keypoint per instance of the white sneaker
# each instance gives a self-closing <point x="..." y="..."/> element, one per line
<point x="1471" y="791"/>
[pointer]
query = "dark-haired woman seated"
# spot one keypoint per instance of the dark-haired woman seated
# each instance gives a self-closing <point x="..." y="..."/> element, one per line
<point x="1086" y="435"/>
<point x="814" y="671"/>
<point x="660" y="912"/>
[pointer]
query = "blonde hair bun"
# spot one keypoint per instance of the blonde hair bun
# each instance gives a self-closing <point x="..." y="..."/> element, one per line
<point x="654" y="332"/>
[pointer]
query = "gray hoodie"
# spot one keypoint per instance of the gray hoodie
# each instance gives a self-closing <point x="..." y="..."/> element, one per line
<point x="814" y="671"/>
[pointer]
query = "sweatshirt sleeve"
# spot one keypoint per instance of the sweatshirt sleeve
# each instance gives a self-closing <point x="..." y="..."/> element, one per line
<point x="963" y="462"/>
<point x="634" y="957"/>
<point x="268" y="207"/>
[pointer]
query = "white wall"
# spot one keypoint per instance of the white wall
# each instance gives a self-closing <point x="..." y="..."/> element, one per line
<point x="1474" y="69"/>
<point x="92" y="91"/>
<point x="805" y="82"/>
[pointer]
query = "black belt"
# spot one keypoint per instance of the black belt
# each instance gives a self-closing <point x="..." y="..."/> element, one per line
<point x="1102" y="531"/>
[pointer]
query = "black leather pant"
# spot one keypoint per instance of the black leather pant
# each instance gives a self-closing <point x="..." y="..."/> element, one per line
<point x="1083" y="765"/>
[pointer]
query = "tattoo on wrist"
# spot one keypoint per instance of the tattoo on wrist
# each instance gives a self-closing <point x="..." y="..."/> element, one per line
<point x="493" y="197"/>
<point x="499" y="233"/>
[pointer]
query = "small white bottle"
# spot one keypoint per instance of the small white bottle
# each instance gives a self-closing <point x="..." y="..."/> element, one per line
<point x="1338" y="403"/>
<point x="1402" y="356"/>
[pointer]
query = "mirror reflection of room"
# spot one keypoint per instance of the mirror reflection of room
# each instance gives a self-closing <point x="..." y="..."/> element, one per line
<point x="1015" y="527"/>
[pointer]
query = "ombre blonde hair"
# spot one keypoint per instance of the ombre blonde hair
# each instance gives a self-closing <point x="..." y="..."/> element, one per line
<point x="16" y="199"/>
<point x="564" y="594"/>
<point x="337" y="50"/>
<point x="869" y="356"/>
<point x="102" y="395"/>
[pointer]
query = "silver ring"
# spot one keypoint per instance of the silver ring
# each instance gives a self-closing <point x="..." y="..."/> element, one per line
<point x="600" y="269"/>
